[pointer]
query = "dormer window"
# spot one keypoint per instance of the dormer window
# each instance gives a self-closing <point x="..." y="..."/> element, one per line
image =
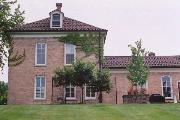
<point x="56" y="20"/>
<point x="56" y="17"/>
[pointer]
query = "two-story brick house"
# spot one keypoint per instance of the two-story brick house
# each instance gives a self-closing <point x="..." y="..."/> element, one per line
<point x="31" y="81"/>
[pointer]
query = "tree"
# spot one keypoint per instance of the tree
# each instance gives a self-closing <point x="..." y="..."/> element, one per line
<point x="84" y="75"/>
<point x="8" y="20"/>
<point x="138" y="71"/>
<point x="64" y="77"/>
<point x="3" y="93"/>
<point x="102" y="82"/>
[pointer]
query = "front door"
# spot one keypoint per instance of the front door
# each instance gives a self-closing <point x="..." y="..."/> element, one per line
<point x="179" y="89"/>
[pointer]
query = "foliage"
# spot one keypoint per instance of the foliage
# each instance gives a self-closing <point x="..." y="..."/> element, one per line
<point x="138" y="71"/>
<point x="8" y="20"/>
<point x="86" y="42"/>
<point x="64" y="76"/>
<point x="3" y="93"/>
<point x="102" y="82"/>
<point x="84" y="74"/>
<point x="89" y="42"/>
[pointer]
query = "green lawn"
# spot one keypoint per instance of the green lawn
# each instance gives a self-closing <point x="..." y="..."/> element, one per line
<point x="91" y="112"/>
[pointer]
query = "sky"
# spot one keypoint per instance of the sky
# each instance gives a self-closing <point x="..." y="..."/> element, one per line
<point x="156" y="22"/>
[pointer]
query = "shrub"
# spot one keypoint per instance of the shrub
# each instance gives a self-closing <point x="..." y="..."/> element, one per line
<point x="3" y="93"/>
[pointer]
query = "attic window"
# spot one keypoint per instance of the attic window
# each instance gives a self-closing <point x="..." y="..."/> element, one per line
<point x="56" y="20"/>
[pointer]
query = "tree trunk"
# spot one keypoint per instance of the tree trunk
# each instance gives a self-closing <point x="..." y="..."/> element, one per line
<point x="100" y="97"/>
<point x="65" y="94"/>
<point x="82" y="94"/>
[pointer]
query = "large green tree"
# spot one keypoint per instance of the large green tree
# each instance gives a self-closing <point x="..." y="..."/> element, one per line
<point x="64" y="77"/>
<point x="9" y="19"/>
<point x="102" y="82"/>
<point x="84" y="75"/>
<point x="138" y="70"/>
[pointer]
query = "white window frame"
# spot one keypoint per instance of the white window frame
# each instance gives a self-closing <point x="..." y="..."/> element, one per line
<point x="89" y="98"/>
<point x="44" y="88"/>
<point x="65" y="53"/>
<point x="70" y="98"/>
<point x="61" y="19"/>
<point x="36" y="64"/>
<point x="170" y="86"/>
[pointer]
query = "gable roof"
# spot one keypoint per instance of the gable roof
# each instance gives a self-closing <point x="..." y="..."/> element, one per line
<point x="68" y="25"/>
<point x="151" y="61"/>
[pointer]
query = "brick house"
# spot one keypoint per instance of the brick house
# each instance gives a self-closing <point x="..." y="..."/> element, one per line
<point x="31" y="81"/>
<point x="164" y="77"/>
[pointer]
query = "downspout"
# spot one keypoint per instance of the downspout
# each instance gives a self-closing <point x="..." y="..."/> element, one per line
<point x="116" y="89"/>
<point x="52" y="91"/>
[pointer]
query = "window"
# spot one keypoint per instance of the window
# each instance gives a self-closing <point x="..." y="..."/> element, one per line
<point x="70" y="92"/>
<point x="89" y="93"/>
<point x="69" y="53"/>
<point x="166" y="86"/>
<point x="56" y="20"/>
<point x="41" y="53"/>
<point x="40" y="87"/>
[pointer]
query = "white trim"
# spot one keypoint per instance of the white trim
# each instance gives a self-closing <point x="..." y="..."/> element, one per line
<point x="89" y="98"/>
<point x="70" y="98"/>
<point x="45" y="54"/>
<point x="44" y="34"/>
<point x="61" y="19"/>
<point x="39" y="35"/>
<point x="171" y="87"/>
<point x="152" y="70"/>
<point x="44" y="88"/>
<point x="65" y="54"/>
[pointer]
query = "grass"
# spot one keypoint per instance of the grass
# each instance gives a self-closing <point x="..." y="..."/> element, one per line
<point x="91" y="112"/>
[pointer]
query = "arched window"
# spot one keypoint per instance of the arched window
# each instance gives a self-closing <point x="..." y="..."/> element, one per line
<point x="166" y="86"/>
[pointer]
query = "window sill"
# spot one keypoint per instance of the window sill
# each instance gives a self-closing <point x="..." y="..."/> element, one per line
<point x="169" y="98"/>
<point x="70" y="99"/>
<point x="40" y="65"/>
<point x="67" y="64"/>
<point x="39" y="99"/>
<point x="90" y="98"/>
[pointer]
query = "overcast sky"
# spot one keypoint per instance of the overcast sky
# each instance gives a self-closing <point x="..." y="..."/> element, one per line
<point x="157" y="22"/>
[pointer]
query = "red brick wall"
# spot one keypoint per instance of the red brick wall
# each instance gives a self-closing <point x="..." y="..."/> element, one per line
<point x="22" y="77"/>
<point x="153" y="85"/>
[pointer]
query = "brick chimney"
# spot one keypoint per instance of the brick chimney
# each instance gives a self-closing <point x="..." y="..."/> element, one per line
<point x="151" y="54"/>
<point x="59" y="6"/>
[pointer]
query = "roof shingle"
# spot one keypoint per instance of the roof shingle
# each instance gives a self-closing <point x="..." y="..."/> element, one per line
<point x="44" y="26"/>
<point x="151" y="61"/>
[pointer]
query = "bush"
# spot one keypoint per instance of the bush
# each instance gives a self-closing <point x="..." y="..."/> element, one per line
<point x="3" y="93"/>
<point x="156" y="98"/>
